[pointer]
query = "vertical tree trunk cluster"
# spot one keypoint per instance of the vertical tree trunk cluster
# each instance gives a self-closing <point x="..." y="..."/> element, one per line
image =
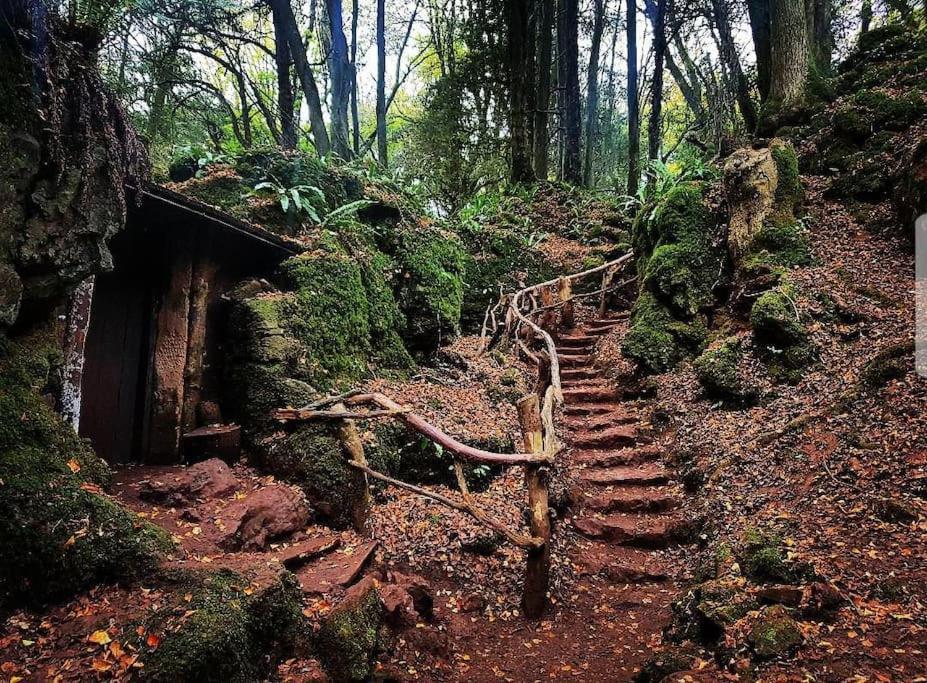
<point x="592" y="91"/>
<point x="634" y="130"/>
<point x="382" y="151"/>
<point x="568" y="55"/>
<point x="520" y="90"/>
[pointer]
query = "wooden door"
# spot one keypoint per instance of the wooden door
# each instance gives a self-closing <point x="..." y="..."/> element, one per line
<point x="116" y="364"/>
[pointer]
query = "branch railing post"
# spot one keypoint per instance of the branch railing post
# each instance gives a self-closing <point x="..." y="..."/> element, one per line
<point x="565" y="296"/>
<point x="353" y="449"/>
<point x="537" y="569"/>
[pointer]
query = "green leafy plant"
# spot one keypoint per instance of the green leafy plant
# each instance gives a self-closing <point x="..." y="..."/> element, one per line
<point x="296" y="200"/>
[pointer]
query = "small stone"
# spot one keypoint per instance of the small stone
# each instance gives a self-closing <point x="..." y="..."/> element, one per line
<point x="268" y="513"/>
<point x="821" y="600"/>
<point x="774" y="633"/>
<point x="895" y="510"/>
<point x="420" y="591"/>
<point x="790" y="596"/>
<point x="398" y="605"/>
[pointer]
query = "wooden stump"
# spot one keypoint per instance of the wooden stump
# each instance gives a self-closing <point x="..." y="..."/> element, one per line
<point x="353" y="449"/>
<point x="565" y="296"/>
<point x="214" y="441"/>
<point x="537" y="570"/>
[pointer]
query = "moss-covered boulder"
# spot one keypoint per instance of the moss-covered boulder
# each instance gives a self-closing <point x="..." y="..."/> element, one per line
<point x="312" y="457"/>
<point x="431" y="264"/>
<point x="58" y="532"/>
<point x="778" y="329"/>
<point x="773" y="633"/>
<point x="656" y="340"/>
<point x="705" y="611"/>
<point x="349" y="635"/>
<point x="679" y="262"/>
<point x="720" y="371"/>
<point x="763" y="558"/>
<point x="228" y="630"/>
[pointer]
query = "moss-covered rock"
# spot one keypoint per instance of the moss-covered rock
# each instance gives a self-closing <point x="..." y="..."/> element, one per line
<point x="782" y="242"/>
<point x="789" y="192"/>
<point x="720" y="372"/>
<point x="775" y="319"/>
<point x="704" y="612"/>
<point x="679" y="263"/>
<point x="890" y="363"/>
<point x="312" y="457"/>
<point x="58" y="533"/>
<point x="656" y="340"/>
<point x="774" y="633"/>
<point x="430" y="289"/>
<point x="231" y="631"/>
<point x="763" y="558"/>
<point x="348" y="637"/>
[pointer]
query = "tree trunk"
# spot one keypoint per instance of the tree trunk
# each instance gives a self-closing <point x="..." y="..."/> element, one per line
<point x="542" y="96"/>
<point x="382" y="149"/>
<point x="789" y="50"/>
<point x="865" y="17"/>
<point x="592" y="92"/>
<point x="568" y="40"/>
<point x="355" y="114"/>
<point x="820" y="35"/>
<point x="517" y="12"/>
<point x="657" y="12"/>
<point x="760" y="28"/>
<point x="340" y="73"/>
<point x="285" y="100"/>
<point x="284" y="13"/>
<point x="634" y="131"/>
<point x="732" y="61"/>
<point x="693" y="101"/>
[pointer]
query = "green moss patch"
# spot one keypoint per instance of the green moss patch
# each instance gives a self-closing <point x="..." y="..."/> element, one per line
<point x="782" y="340"/>
<point x="782" y="242"/>
<point x="774" y="633"/>
<point x="679" y="264"/>
<point x="229" y="632"/>
<point x="58" y="534"/>
<point x="656" y="340"/>
<point x="720" y="373"/>
<point x="348" y="637"/>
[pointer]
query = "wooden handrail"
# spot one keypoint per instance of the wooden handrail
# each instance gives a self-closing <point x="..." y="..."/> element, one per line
<point x="536" y="414"/>
<point x="415" y="422"/>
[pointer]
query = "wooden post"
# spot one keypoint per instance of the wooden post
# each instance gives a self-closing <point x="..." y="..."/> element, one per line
<point x="607" y="278"/>
<point x="353" y="449"/>
<point x="565" y="295"/>
<point x="537" y="571"/>
<point x="204" y="271"/>
<point x="543" y="374"/>
<point x="549" y="316"/>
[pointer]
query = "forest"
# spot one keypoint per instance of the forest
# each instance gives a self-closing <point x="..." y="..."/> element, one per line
<point x="463" y="340"/>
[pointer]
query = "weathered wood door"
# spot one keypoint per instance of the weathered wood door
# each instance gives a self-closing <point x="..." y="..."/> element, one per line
<point x="116" y="366"/>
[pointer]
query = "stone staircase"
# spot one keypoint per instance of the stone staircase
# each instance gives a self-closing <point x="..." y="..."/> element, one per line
<point x="626" y="501"/>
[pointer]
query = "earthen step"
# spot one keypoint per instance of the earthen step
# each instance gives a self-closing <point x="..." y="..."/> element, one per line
<point x="590" y="408"/>
<point x="612" y="437"/>
<point x="618" y="416"/>
<point x="640" y="530"/>
<point x="624" y="457"/>
<point x="579" y="373"/>
<point x="626" y="475"/>
<point x="574" y="340"/>
<point x="586" y="382"/>
<point x="590" y="394"/>
<point x="636" y="499"/>
<point x="621" y="564"/>
<point x="574" y="361"/>
<point x="611" y="320"/>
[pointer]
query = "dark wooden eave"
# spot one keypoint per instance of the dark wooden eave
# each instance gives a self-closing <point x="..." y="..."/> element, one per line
<point x="156" y="197"/>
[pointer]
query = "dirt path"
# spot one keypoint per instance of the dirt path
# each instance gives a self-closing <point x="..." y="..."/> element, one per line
<point x="627" y="527"/>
